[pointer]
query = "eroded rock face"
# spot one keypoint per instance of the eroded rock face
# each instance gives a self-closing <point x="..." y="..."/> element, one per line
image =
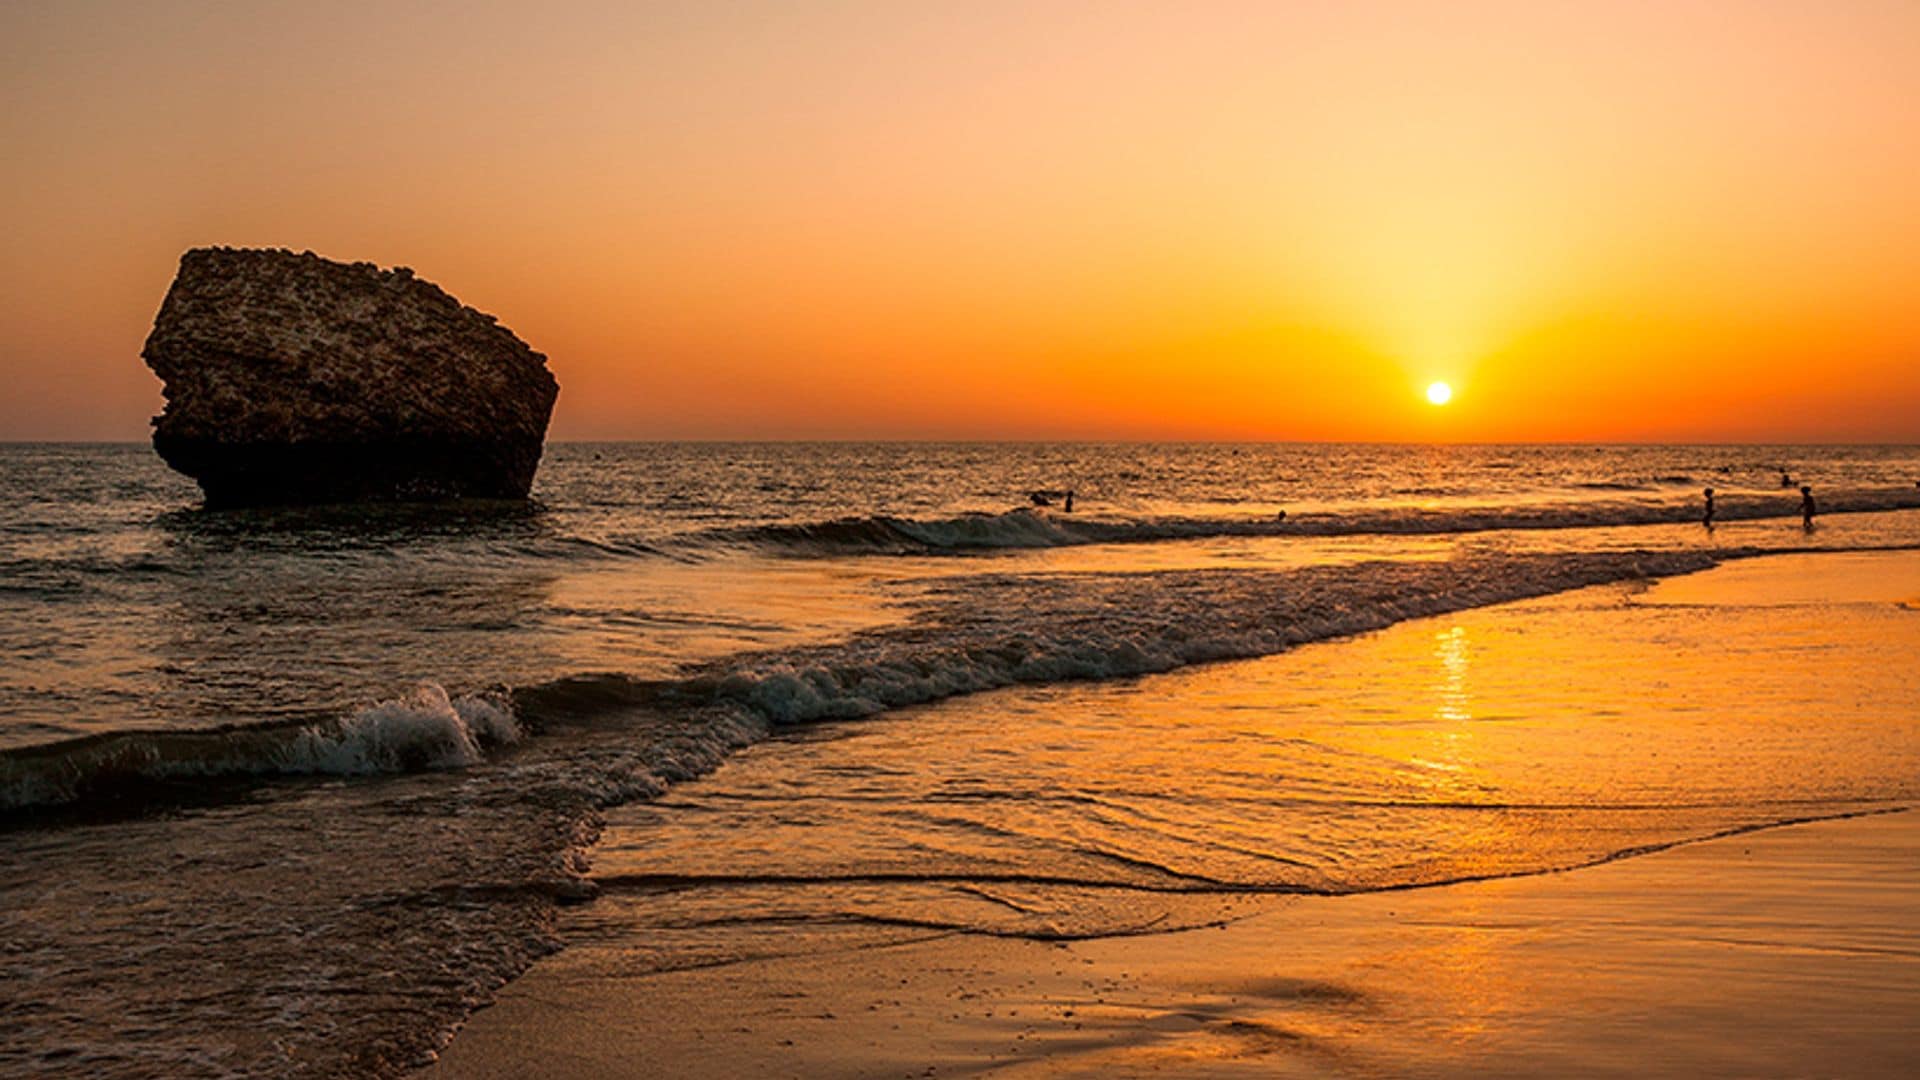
<point x="295" y="379"/>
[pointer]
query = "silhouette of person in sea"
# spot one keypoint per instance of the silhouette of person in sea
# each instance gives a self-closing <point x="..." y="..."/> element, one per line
<point x="1708" y="520"/>
<point x="1069" y="506"/>
<point x="1786" y="481"/>
<point x="1806" y="507"/>
<point x="1039" y="498"/>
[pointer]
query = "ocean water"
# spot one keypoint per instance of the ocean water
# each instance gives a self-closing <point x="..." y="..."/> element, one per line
<point x="291" y="792"/>
<point x="1561" y="731"/>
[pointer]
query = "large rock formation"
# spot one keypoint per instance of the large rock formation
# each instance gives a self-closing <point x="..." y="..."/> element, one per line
<point x="295" y="379"/>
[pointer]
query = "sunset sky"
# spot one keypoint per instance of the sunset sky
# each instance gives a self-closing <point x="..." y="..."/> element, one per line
<point x="1604" y="221"/>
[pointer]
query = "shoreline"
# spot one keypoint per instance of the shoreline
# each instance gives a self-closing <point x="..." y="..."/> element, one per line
<point x="1704" y="956"/>
<point x="1379" y="757"/>
<point x="1783" y="951"/>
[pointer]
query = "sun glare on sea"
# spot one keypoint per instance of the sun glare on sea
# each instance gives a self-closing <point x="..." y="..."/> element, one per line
<point x="1439" y="393"/>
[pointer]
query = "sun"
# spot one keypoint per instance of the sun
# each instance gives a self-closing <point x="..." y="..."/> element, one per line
<point x="1439" y="393"/>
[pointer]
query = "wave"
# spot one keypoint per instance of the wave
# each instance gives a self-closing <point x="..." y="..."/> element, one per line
<point x="996" y="631"/>
<point x="1034" y="528"/>
<point x="975" y="633"/>
<point x="1612" y="485"/>
<point x="1164" y="880"/>
<point x="885" y="534"/>
<point x="423" y="729"/>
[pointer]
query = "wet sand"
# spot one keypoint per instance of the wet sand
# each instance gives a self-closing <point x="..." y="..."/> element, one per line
<point x="1785" y="951"/>
<point x="1792" y="951"/>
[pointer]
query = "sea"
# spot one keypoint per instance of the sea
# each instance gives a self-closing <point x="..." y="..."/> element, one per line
<point x="293" y="791"/>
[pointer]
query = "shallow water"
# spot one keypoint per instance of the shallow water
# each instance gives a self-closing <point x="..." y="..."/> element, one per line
<point x="353" y="757"/>
<point x="1548" y="733"/>
<point x="127" y="608"/>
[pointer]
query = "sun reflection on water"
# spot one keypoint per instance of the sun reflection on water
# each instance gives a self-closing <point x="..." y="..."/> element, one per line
<point x="1451" y="648"/>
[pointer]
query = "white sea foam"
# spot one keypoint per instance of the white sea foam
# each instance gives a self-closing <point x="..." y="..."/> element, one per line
<point x="425" y="729"/>
<point x="976" y="632"/>
<point x="1030" y="528"/>
<point x="992" y="631"/>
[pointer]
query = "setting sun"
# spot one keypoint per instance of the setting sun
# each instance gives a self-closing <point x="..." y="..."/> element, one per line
<point x="974" y="449"/>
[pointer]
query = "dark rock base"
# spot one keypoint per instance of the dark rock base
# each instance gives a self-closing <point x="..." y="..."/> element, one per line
<point x="394" y="470"/>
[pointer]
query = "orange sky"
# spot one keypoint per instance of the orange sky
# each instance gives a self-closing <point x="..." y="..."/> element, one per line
<point x="1631" y="221"/>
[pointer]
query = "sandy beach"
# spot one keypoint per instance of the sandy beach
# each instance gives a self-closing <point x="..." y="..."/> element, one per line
<point x="1791" y="950"/>
<point x="1785" y="952"/>
<point x="873" y="539"/>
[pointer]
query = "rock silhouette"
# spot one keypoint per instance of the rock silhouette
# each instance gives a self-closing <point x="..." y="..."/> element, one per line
<point x="290" y="378"/>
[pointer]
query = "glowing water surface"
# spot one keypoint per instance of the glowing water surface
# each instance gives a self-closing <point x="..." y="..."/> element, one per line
<point x="1549" y="733"/>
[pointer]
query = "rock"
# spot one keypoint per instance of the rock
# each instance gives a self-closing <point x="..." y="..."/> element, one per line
<point x="296" y="379"/>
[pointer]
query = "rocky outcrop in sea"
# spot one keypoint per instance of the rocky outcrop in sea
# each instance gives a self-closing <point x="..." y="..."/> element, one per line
<point x="290" y="378"/>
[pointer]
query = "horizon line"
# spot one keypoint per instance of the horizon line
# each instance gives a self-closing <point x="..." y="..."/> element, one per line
<point x="1100" y="441"/>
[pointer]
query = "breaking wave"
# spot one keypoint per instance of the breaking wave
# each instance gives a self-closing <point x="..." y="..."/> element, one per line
<point x="1036" y="528"/>
<point x="980" y="633"/>
<point x="423" y="729"/>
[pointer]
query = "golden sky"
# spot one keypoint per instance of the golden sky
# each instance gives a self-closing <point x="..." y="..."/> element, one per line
<point x="1598" y="221"/>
